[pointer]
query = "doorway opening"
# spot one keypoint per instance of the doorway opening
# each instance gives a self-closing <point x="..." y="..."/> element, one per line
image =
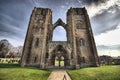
<point x="59" y="61"/>
<point x="56" y="62"/>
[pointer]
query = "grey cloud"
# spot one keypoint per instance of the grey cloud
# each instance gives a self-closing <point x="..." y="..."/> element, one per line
<point x="15" y="14"/>
<point x="97" y="2"/>
<point x="14" y="18"/>
<point x="106" y="21"/>
<point x="112" y="47"/>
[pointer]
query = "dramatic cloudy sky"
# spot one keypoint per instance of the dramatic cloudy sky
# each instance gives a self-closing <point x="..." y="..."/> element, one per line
<point x="104" y="16"/>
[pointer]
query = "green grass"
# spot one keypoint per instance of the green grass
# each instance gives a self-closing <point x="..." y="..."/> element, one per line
<point x="62" y="62"/>
<point x="15" y="72"/>
<point x="57" y="63"/>
<point x="96" y="73"/>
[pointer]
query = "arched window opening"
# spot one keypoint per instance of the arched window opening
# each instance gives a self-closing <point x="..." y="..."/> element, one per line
<point x="71" y="55"/>
<point x="35" y="59"/>
<point x="78" y="59"/>
<point x="59" y="34"/>
<point x="37" y="42"/>
<point x="56" y="61"/>
<point x="83" y="59"/>
<point x="82" y="43"/>
<point x="62" y="63"/>
<point x="47" y="55"/>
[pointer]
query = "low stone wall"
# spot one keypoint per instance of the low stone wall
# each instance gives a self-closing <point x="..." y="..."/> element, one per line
<point x="9" y="60"/>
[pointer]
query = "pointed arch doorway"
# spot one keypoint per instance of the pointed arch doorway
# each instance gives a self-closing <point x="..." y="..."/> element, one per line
<point x="60" y="57"/>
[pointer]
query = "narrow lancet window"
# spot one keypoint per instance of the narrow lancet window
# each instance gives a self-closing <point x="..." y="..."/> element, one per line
<point x="37" y="42"/>
<point x="82" y="43"/>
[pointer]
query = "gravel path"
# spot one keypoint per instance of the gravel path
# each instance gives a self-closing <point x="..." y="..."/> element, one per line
<point x="59" y="75"/>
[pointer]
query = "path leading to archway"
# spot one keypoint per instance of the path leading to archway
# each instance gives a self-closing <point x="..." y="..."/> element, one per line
<point x="59" y="75"/>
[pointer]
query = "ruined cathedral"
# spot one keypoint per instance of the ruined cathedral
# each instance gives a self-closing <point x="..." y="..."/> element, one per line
<point x="41" y="51"/>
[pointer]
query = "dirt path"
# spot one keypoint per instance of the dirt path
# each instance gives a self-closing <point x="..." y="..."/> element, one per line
<point x="59" y="75"/>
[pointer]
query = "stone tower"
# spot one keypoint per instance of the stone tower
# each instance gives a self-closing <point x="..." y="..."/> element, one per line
<point x="78" y="51"/>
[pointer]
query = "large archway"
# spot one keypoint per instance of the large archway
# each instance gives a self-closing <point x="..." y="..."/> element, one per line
<point x="59" y="34"/>
<point x="59" y="57"/>
<point x="59" y="31"/>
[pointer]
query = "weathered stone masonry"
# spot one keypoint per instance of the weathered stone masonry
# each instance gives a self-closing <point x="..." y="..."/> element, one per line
<point x="78" y="51"/>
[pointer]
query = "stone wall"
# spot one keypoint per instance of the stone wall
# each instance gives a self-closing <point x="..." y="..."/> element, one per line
<point x="78" y="51"/>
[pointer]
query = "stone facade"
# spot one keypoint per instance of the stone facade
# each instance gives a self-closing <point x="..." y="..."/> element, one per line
<point x="78" y="51"/>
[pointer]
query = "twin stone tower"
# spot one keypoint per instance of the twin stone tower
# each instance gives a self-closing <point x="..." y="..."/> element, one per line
<point x="41" y="51"/>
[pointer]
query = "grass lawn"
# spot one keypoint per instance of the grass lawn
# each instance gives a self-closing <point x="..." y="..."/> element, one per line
<point x="57" y="63"/>
<point x="96" y="73"/>
<point x="15" y="72"/>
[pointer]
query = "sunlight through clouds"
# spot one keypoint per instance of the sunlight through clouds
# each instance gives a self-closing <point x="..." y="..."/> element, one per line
<point x="94" y="9"/>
